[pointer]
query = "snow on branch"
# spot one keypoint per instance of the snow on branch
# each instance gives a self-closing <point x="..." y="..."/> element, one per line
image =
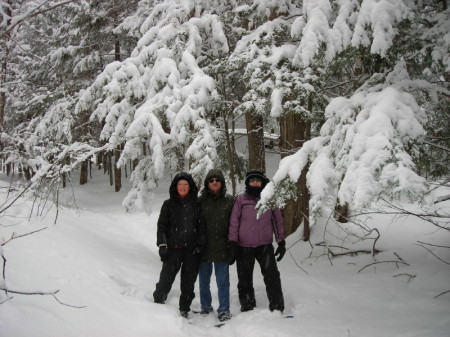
<point x="332" y="28"/>
<point x="360" y="156"/>
<point x="9" y="23"/>
<point x="158" y="99"/>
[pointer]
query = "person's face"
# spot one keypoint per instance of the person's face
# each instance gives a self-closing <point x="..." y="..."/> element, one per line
<point x="183" y="188"/>
<point x="255" y="182"/>
<point x="214" y="184"/>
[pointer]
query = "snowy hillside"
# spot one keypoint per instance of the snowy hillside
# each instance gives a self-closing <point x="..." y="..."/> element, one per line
<point x="105" y="261"/>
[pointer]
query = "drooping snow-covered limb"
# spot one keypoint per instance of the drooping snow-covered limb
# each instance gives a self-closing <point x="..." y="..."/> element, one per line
<point x="360" y="156"/>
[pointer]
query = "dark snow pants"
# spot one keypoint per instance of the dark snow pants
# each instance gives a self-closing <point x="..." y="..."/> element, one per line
<point x="245" y="262"/>
<point x="189" y="264"/>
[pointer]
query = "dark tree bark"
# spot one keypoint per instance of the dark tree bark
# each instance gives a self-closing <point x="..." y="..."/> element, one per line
<point x="84" y="172"/>
<point x="255" y="134"/>
<point x="117" y="170"/>
<point x="231" y="150"/>
<point x="110" y="169"/>
<point x="4" y="66"/>
<point x="294" y="131"/>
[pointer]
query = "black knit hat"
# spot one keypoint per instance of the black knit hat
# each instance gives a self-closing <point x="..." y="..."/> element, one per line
<point x="256" y="174"/>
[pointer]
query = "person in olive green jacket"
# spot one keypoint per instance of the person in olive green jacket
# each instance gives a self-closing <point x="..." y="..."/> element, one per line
<point x="216" y="206"/>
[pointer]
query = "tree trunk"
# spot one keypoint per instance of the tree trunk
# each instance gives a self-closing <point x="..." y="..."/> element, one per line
<point x="294" y="131"/>
<point x="255" y="134"/>
<point x="4" y="69"/>
<point x="84" y="172"/>
<point x="110" y="169"/>
<point x="64" y="175"/>
<point x="117" y="170"/>
<point x="105" y="162"/>
<point x="231" y="153"/>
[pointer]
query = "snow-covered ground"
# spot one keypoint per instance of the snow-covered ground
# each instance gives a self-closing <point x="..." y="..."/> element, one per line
<point x="106" y="261"/>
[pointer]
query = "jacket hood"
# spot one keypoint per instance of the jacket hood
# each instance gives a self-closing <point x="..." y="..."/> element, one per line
<point x="256" y="174"/>
<point x="215" y="173"/>
<point x="193" y="189"/>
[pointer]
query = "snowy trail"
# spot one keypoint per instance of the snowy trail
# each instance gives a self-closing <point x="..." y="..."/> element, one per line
<point x="102" y="258"/>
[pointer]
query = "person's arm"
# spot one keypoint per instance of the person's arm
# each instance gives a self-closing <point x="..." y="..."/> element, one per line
<point x="279" y="225"/>
<point x="235" y="218"/>
<point x="201" y="229"/>
<point x="163" y="224"/>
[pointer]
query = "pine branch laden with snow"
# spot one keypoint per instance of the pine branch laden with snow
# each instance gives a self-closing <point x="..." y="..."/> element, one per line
<point x="360" y="156"/>
<point x="159" y="97"/>
<point x="329" y="28"/>
<point x="274" y="85"/>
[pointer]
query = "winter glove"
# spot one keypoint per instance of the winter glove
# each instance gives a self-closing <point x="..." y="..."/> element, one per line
<point x="233" y="247"/>
<point x="163" y="252"/>
<point x="281" y="250"/>
<point x="198" y="250"/>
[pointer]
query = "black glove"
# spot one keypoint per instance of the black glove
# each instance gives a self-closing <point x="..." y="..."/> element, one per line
<point x="163" y="253"/>
<point x="198" y="250"/>
<point x="281" y="250"/>
<point x="233" y="247"/>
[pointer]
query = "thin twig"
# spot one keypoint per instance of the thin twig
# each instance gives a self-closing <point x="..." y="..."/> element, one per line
<point x="429" y="244"/>
<point x="53" y="293"/>
<point x="354" y="252"/>
<point x="444" y="292"/>
<point x="297" y="263"/>
<point x="378" y="262"/>
<point x="15" y="199"/>
<point x="9" y="298"/>
<point x="410" y="277"/>
<point x="437" y="257"/>
<point x="13" y="236"/>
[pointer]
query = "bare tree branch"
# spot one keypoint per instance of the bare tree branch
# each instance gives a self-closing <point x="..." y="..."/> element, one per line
<point x="52" y="293"/>
<point x="378" y="262"/>
<point x="15" y="199"/>
<point x="13" y="236"/>
<point x="410" y="277"/>
<point x="441" y="147"/>
<point x="429" y="244"/>
<point x="445" y="292"/>
<point x="437" y="257"/>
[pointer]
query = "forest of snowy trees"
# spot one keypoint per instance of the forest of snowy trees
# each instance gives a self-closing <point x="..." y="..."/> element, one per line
<point x="356" y="92"/>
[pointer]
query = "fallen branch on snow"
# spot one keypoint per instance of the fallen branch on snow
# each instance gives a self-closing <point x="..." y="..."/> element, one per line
<point x="53" y="294"/>
<point x="378" y="262"/>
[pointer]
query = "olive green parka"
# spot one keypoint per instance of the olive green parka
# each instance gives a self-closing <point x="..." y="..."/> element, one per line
<point x="216" y="211"/>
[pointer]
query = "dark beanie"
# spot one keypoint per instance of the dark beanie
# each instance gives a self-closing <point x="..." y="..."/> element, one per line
<point x="256" y="174"/>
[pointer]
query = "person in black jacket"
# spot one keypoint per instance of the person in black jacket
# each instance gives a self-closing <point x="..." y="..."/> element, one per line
<point x="216" y="207"/>
<point x="181" y="238"/>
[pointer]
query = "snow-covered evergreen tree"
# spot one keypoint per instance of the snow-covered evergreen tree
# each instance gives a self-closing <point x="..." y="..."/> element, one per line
<point x="158" y="98"/>
<point x="366" y="147"/>
<point x="59" y="53"/>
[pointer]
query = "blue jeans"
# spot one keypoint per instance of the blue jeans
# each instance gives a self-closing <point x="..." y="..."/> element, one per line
<point x="223" y="285"/>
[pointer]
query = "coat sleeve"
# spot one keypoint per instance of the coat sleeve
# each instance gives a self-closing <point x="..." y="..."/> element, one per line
<point x="202" y="228"/>
<point x="235" y="218"/>
<point x="163" y="224"/>
<point x="279" y="225"/>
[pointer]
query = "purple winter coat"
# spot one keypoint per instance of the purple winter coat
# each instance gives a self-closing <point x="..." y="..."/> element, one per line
<point x="247" y="230"/>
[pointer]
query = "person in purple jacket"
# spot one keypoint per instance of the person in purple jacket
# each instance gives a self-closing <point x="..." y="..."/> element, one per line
<point x="250" y="238"/>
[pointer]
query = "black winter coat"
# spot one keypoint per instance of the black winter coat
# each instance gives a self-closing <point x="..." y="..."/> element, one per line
<point x="181" y="223"/>
<point x="216" y="211"/>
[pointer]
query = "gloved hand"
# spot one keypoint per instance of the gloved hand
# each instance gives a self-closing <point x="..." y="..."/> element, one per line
<point x="233" y="247"/>
<point x="281" y="250"/>
<point x="198" y="250"/>
<point x="163" y="253"/>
